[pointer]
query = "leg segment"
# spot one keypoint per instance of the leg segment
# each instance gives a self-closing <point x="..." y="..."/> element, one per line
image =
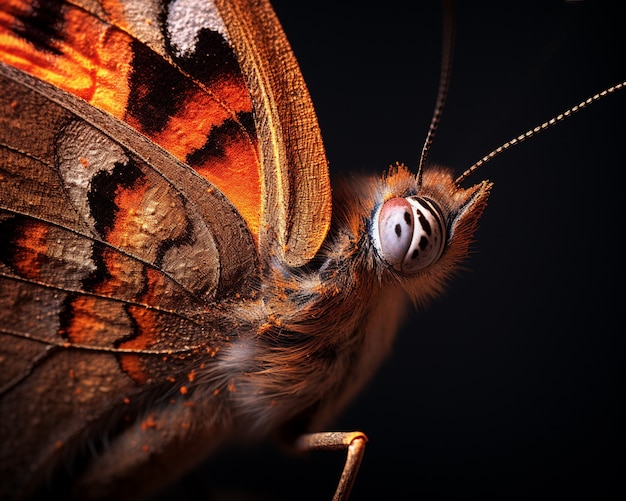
<point x="354" y="441"/>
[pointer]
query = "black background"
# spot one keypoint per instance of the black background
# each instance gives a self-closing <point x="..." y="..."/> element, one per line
<point x="512" y="385"/>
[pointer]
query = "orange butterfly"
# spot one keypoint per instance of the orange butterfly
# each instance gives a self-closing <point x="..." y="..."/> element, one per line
<point x="171" y="276"/>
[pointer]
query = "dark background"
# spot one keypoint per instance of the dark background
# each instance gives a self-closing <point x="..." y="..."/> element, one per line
<point x="512" y="385"/>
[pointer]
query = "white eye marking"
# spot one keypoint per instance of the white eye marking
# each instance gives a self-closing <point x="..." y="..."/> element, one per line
<point x="410" y="233"/>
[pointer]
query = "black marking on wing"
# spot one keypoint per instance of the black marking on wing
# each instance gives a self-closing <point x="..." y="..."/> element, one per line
<point x="101" y="196"/>
<point x="101" y="274"/>
<point x="213" y="60"/>
<point x="246" y="119"/>
<point x="157" y="89"/>
<point x="219" y="137"/>
<point x="67" y="315"/>
<point x="42" y="26"/>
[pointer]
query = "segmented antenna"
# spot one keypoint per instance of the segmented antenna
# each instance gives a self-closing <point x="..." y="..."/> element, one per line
<point x="539" y="128"/>
<point x="449" y="25"/>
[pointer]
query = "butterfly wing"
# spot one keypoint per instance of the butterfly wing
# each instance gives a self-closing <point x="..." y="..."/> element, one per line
<point x="108" y="267"/>
<point x="296" y="185"/>
<point x="135" y="199"/>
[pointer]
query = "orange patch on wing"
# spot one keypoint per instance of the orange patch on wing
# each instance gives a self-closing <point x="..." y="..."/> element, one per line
<point x="85" y="328"/>
<point x="93" y="63"/>
<point x="113" y="65"/>
<point x="133" y="367"/>
<point x="147" y="335"/>
<point x="33" y="246"/>
<point x="237" y="175"/>
<point x="127" y="219"/>
<point x="155" y="283"/>
<point x="233" y="93"/>
<point x="189" y="128"/>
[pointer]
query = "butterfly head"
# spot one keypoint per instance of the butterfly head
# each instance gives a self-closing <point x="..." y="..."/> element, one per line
<point x="425" y="226"/>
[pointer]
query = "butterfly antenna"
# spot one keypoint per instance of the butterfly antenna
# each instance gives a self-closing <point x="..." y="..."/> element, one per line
<point x="449" y="22"/>
<point x="539" y="128"/>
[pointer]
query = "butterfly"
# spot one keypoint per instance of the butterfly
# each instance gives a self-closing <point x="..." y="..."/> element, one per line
<point x="238" y="293"/>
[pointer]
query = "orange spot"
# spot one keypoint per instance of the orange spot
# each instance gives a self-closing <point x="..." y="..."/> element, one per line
<point x="154" y="286"/>
<point x="32" y="250"/>
<point x="183" y="390"/>
<point x="147" y="335"/>
<point x="233" y="93"/>
<point x="86" y="327"/>
<point x="191" y="376"/>
<point x="126" y="219"/>
<point x="231" y="387"/>
<point x="148" y="422"/>
<point x="126" y="400"/>
<point x="238" y="176"/>
<point x="133" y="367"/>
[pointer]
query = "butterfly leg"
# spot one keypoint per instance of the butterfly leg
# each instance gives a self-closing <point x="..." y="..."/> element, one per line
<point x="354" y="441"/>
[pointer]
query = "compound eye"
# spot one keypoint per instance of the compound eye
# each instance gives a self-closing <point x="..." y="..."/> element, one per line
<point x="395" y="230"/>
<point x="411" y="233"/>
